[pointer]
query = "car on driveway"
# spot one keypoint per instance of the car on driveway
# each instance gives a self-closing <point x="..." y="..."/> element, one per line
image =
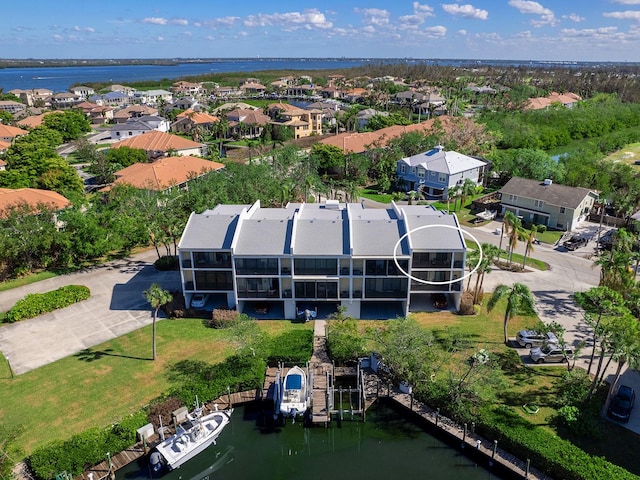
<point x="533" y="338"/>
<point x="551" y="352"/>
<point x="622" y="404"/>
<point x="199" y="300"/>
<point x="575" y="242"/>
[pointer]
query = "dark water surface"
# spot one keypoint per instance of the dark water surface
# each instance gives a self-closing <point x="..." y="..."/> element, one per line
<point x="386" y="446"/>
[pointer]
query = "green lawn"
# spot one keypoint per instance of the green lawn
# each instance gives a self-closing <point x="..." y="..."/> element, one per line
<point x="101" y="385"/>
<point x="376" y="196"/>
<point x="27" y="280"/>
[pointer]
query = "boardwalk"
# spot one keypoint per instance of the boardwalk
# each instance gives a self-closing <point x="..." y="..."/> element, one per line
<point x="468" y="440"/>
<point x="322" y="370"/>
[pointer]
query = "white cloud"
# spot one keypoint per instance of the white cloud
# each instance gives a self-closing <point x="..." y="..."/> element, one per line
<point x="76" y="28"/>
<point x="155" y="20"/>
<point x="422" y="10"/>
<point x="180" y="21"/>
<point x="374" y="16"/>
<point x="626" y="15"/>
<point x="574" y="17"/>
<point x="58" y="37"/>
<point x="527" y="7"/>
<point x="627" y="2"/>
<point x="465" y="11"/>
<point x="221" y="22"/>
<point x="462" y="33"/>
<point x="160" y="39"/>
<point x="312" y="19"/>
<point x="408" y="21"/>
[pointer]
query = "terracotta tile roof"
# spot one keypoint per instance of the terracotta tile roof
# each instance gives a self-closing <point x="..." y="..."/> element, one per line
<point x="165" y="172"/>
<point x="135" y="109"/>
<point x="198" y="117"/>
<point x="156" y="141"/>
<point x="359" y="142"/>
<point x="12" y="197"/>
<point x="250" y="117"/>
<point x="3" y="147"/>
<point x="7" y="131"/>
<point x="34" y="121"/>
<point x="553" y="97"/>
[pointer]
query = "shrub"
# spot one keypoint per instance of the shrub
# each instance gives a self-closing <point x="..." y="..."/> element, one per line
<point x="343" y="341"/>
<point x="466" y="304"/>
<point x="167" y="262"/>
<point x="222" y="318"/>
<point x="36" y="304"/>
<point x="85" y="449"/>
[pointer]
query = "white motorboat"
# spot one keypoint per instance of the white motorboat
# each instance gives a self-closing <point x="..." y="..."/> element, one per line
<point x="194" y="433"/>
<point x="294" y="393"/>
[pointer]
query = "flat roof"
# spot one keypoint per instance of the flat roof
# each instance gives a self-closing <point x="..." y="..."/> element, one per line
<point x="207" y="231"/>
<point x="376" y="232"/>
<point x="321" y="231"/>
<point x="432" y="237"/>
<point x="266" y="232"/>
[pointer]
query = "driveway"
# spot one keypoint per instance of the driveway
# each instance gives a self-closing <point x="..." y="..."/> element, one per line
<point x="117" y="306"/>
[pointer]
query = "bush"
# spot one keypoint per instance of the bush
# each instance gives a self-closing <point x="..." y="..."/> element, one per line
<point x="466" y="304"/>
<point x="167" y="262"/>
<point x="36" y="304"/>
<point x="222" y="318"/>
<point x="344" y="342"/>
<point x="85" y="449"/>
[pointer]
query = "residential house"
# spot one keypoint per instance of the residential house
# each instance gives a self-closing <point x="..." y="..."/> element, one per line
<point x="187" y="88"/>
<point x="33" y="121"/>
<point x="165" y="173"/>
<point x="354" y="142"/>
<point x="153" y="97"/>
<point x="34" y="97"/>
<point x="363" y="116"/>
<point x="83" y="92"/>
<point x="245" y="123"/>
<point x="159" y="144"/>
<point x="32" y="197"/>
<point x="227" y="91"/>
<point x="96" y="113"/>
<point x="352" y="95"/>
<point x="64" y="100"/>
<point x="556" y="206"/>
<point x="436" y="171"/>
<point x="330" y="92"/>
<point x="133" y="111"/>
<point x="376" y="263"/>
<point x="189" y="120"/>
<point x="306" y="90"/>
<point x="12" y="107"/>
<point x="184" y="103"/>
<point x="4" y="146"/>
<point x="112" y="99"/>
<point x="567" y="100"/>
<point x="139" y="125"/>
<point x="129" y="91"/>
<point x="9" y="133"/>
<point x="303" y="122"/>
<point x="252" y="87"/>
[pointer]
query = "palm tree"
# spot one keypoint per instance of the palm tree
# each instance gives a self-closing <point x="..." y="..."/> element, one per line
<point x="489" y="252"/>
<point x="530" y="239"/>
<point x="519" y="300"/>
<point x="157" y="297"/>
<point x="453" y="193"/>
<point x="467" y="189"/>
<point x="514" y="235"/>
<point x="508" y="220"/>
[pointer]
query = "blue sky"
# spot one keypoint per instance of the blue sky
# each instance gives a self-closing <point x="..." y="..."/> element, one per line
<point x="579" y="30"/>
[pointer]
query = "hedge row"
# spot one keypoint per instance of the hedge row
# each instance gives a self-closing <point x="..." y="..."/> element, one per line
<point x="85" y="449"/>
<point x="36" y="304"/>
<point x="549" y="453"/>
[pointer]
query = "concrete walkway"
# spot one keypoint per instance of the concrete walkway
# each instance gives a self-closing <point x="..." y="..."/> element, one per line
<point x="117" y="306"/>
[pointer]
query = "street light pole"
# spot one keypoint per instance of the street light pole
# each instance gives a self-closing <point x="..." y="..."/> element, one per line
<point x="9" y="365"/>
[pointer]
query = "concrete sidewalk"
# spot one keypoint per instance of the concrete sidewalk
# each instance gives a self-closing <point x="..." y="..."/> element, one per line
<point x="117" y="306"/>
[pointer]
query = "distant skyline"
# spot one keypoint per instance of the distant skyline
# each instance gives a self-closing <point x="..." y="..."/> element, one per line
<point x="572" y="30"/>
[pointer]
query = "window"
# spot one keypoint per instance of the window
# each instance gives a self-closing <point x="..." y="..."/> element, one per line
<point x="316" y="289"/>
<point x="562" y="210"/>
<point x="213" y="280"/>
<point x="538" y="203"/>
<point x="421" y="172"/>
<point x="514" y="198"/>
<point x="442" y="177"/>
<point x="402" y="169"/>
<point x="315" y="266"/>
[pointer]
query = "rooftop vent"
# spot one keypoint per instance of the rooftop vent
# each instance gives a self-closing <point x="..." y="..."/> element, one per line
<point x="547" y="181"/>
<point x="332" y="204"/>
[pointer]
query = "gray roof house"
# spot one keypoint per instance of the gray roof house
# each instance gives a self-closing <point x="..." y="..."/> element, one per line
<point x="436" y="171"/>
<point x="375" y="262"/>
<point x="556" y="206"/>
<point x="138" y="126"/>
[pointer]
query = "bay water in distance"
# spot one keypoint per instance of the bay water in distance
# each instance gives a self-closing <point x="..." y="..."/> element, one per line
<point x="386" y="446"/>
<point x="59" y="79"/>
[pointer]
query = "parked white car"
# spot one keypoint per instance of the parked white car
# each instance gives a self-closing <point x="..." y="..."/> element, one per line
<point x="199" y="300"/>
<point x="533" y="338"/>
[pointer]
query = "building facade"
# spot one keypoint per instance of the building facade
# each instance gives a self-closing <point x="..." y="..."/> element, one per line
<point x="375" y="263"/>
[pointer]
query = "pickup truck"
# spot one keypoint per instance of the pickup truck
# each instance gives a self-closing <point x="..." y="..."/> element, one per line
<point x="575" y="242"/>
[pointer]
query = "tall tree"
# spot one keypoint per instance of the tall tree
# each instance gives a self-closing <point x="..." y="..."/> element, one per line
<point x="519" y="298"/>
<point x="157" y="297"/>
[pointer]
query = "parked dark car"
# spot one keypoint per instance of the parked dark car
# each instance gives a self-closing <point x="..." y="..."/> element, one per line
<point x="621" y="405"/>
<point x="439" y="300"/>
<point x="575" y="242"/>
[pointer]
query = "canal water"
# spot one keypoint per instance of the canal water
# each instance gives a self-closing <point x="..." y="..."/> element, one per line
<point x="387" y="445"/>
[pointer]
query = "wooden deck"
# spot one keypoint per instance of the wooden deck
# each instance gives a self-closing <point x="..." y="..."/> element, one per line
<point x="322" y="368"/>
<point x="470" y="441"/>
